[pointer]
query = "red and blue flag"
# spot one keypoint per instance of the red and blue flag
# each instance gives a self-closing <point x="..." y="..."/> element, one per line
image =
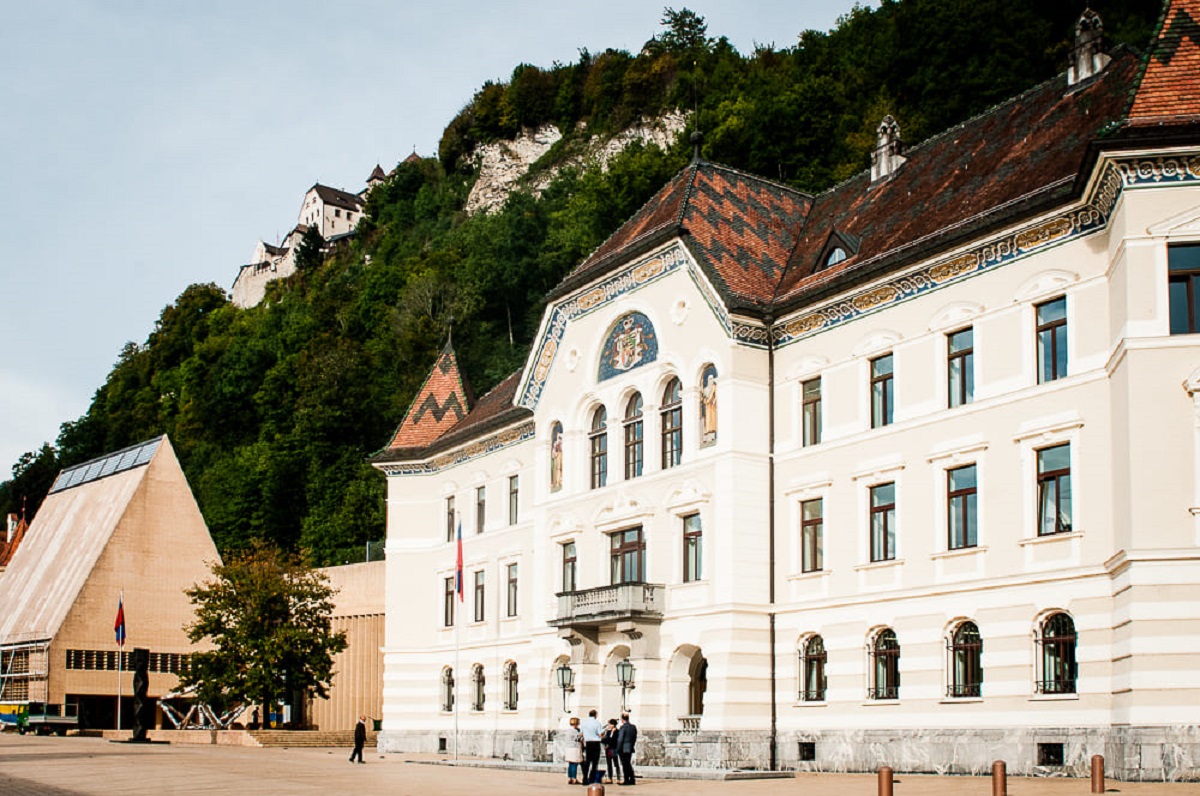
<point x="119" y="624"/>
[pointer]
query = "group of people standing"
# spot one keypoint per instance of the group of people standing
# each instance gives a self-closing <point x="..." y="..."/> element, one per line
<point x="586" y="740"/>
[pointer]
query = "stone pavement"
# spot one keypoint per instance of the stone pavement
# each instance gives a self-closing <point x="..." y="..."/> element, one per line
<point x="32" y="766"/>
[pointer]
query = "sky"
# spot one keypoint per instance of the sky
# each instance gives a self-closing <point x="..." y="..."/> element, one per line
<point x="147" y="145"/>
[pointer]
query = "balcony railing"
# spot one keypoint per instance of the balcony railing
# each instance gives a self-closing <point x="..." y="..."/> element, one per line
<point x="607" y="604"/>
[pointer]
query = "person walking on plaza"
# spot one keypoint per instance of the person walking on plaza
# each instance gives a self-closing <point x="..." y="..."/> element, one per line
<point x="591" y="729"/>
<point x="626" y="744"/>
<point x="572" y="749"/>
<point x="360" y="738"/>
<point x="609" y="739"/>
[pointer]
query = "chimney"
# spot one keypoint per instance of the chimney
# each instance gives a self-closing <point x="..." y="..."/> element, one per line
<point x="886" y="158"/>
<point x="11" y="527"/>
<point x="1087" y="59"/>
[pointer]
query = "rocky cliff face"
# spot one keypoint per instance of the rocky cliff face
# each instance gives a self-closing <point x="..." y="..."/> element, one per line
<point x="504" y="165"/>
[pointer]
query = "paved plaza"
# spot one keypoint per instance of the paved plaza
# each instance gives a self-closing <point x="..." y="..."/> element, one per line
<point x="73" y="766"/>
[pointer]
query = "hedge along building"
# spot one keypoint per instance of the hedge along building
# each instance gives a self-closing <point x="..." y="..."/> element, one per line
<point x="123" y="523"/>
<point x="905" y="472"/>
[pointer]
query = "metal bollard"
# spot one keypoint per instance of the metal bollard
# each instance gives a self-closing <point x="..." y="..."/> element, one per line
<point x="885" y="781"/>
<point x="1097" y="773"/>
<point x="999" y="779"/>
<point x="595" y="789"/>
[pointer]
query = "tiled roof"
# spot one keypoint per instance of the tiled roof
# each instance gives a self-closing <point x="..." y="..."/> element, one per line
<point x="1022" y="154"/>
<point x="413" y="158"/>
<point x="739" y="227"/>
<point x="337" y="198"/>
<point x="8" y="547"/>
<point x="1169" y="89"/>
<point x="439" y="405"/>
<point x="376" y="174"/>
<point x="494" y="410"/>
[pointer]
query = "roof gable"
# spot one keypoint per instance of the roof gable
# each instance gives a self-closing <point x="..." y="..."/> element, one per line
<point x="1169" y="88"/>
<point x="438" y="406"/>
<point x="64" y="541"/>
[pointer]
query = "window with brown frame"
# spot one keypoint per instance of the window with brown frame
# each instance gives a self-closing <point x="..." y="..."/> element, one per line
<point x="883" y="391"/>
<point x="812" y="665"/>
<point x="965" y="649"/>
<point x="692" y="548"/>
<point x="628" y="556"/>
<point x="812" y="525"/>
<point x="960" y="367"/>
<point x="480" y="508"/>
<point x="962" y="511"/>
<point x="885" y="666"/>
<point x="672" y="424"/>
<point x="811" y="412"/>
<point x="883" y="522"/>
<point x="598" y="443"/>
<point x="1052" y="340"/>
<point x="1183" y="283"/>
<point x="568" y="566"/>
<point x="448" y="595"/>
<point x="1054" y="490"/>
<point x="633" y="437"/>
<point x="511" y="602"/>
<point x="480" y="591"/>
<point x="514" y="485"/>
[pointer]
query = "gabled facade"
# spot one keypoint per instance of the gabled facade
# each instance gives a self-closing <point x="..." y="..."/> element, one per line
<point x="905" y="472"/>
<point x="124" y="526"/>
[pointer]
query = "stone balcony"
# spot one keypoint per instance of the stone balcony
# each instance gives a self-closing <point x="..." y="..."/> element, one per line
<point x="609" y="605"/>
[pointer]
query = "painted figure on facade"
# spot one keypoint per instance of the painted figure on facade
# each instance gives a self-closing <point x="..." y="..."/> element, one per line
<point x="631" y="343"/>
<point x="556" y="457"/>
<point x="708" y="406"/>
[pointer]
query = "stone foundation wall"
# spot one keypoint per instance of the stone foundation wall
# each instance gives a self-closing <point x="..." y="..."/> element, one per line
<point x="1130" y="753"/>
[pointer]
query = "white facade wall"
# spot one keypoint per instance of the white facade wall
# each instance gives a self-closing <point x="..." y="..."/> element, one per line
<point x="1128" y="573"/>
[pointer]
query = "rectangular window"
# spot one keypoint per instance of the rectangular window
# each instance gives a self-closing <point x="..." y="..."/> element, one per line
<point x="882" y="391"/>
<point x="479" y="594"/>
<point x="568" y="566"/>
<point x="812" y="522"/>
<point x="1183" y="282"/>
<point x="628" y="557"/>
<point x="883" y="522"/>
<point x="960" y="367"/>
<point x="962" y="514"/>
<point x="513" y="499"/>
<point x="511" y="602"/>
<point x="812" y="411"/>
<point x="480" y="508"/>
<point x="1052" y="340"/>
<point x="1054" y="490"/>
<point x="691" y="548"/>
<point x="448" y="594"/>
<point x="633" y="448"/>
<point x="450" y="519"/>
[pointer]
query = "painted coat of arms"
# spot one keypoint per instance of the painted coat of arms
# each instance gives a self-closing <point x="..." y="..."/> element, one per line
<point x="630" y="343"/>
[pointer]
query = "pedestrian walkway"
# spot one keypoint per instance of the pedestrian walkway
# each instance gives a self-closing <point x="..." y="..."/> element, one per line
<point x="33" y="766"/>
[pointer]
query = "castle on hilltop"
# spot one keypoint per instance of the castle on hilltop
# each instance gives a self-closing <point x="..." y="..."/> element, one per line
<point x="333" y="212"/>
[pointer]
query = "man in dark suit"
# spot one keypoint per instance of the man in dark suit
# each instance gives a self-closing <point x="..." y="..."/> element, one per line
<point x="626" y="743"/>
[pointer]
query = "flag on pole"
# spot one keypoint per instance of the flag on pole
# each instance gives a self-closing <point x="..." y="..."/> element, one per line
<point x="119" y="624"/>
<point x="458" y="570"/>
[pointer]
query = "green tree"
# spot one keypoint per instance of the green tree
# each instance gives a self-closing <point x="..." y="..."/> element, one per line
<point x="268" y="616"/>
<point x="308" y="251"/>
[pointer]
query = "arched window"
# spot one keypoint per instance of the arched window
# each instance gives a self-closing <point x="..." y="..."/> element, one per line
<point x="672" y="424"/>
<point x="965" y="649"/>
<point x="697" y="684"/>
<point x="447" y="689"/>
<point x="598" y="437"/>
<point x="477" y="684"/>
<point x="1059" y="669"/>
<point x="510" y="685"/>
<point x="885" y="666"/>
<point x="812" y="668"/>
<point x="633" y="436"/>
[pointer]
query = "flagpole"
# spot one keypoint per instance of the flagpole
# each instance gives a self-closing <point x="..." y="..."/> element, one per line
<point x="460" y="585"/>
<point x="120" y="649"/>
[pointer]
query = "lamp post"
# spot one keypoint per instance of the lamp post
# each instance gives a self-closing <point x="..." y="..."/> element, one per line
<point x="566" y="681"/>
<point x="625" y="672"/>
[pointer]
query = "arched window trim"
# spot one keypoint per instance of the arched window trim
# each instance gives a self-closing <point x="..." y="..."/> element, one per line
<point x="964" y="661"/>
<point x="884" y="665"/>
<point x="510" y="685"/>
<point x="478" y="692"/>
<point x="813" y="677"/>
<point x="1057" y="663"/>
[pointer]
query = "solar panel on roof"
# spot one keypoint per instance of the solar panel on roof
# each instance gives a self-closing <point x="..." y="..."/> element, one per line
<point x="113" y="463"/>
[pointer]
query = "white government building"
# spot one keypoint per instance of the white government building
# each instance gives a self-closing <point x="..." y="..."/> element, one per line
<point x="906" y="472"/>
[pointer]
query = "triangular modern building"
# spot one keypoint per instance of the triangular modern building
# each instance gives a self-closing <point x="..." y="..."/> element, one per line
<point x="124" y="524"/>
<point x="903" y="473"/>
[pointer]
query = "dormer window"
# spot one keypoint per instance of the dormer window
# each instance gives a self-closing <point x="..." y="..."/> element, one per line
<point x="836" y="256"/>
<point x="838" y="248"/>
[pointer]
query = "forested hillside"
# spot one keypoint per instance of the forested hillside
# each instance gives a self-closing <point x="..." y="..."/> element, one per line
<point x="274" y="409"/>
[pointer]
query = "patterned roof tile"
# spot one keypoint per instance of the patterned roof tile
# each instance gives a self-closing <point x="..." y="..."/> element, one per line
<point x="1169" y="89"/>
<point x="440" y="404"/>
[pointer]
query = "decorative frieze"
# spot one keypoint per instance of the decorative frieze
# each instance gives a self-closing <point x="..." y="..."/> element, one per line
<point x="481" y="447"/>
